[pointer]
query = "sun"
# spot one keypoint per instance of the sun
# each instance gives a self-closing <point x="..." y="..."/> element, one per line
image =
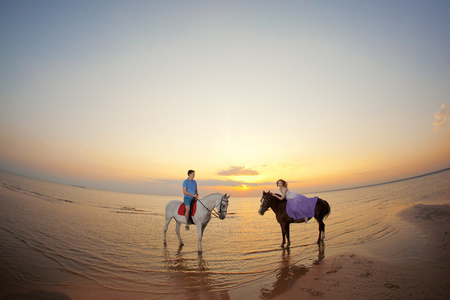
<point x="244" y="187"/>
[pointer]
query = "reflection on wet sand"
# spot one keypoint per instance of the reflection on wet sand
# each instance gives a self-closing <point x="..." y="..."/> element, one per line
<point x="321" y="255"/>
<point x="288" y="273"/>
<point x="192" y="275"/>
<point x="37" y="295"/>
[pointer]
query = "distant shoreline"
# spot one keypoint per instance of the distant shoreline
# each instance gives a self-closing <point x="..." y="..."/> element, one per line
<point x="382" y="183"/>
<point x="316" y="192"/>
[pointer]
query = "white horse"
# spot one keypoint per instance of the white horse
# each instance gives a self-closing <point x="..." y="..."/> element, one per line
<point x="202" y="215"/>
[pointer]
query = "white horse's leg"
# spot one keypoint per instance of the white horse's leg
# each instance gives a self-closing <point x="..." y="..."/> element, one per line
<point x="200" y="229"/>
<point x="177" y="230"/>
<point x="165" y="228"/>
<point x="203" y="228"/>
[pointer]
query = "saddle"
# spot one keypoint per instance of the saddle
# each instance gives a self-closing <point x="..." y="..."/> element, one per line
<point x="182" y="211"/>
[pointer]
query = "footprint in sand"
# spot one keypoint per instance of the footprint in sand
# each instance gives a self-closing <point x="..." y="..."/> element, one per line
<point x="391" y="286"/>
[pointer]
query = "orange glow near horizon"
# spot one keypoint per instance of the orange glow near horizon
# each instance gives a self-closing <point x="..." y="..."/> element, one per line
<point x="239" y="110"/>
<point x="318" y="175"/>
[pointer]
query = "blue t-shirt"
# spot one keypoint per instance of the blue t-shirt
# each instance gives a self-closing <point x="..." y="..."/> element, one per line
<point x="191" y="187"/>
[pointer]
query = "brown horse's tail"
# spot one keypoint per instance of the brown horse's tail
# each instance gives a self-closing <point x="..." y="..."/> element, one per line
<point x="326" y="209"/>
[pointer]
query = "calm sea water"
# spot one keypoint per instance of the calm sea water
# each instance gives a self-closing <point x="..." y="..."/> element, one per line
<point x="87" y="243"/>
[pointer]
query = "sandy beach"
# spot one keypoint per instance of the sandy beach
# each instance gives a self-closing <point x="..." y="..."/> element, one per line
<point x="382" y="242"/>
<point x="352" y="275"/>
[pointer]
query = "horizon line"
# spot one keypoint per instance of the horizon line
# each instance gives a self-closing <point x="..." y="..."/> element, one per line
<point x="382" y="183"/>
<point x="316" y="192"/>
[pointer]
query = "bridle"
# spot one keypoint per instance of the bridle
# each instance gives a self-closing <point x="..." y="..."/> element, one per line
<point x="220" y="204"/>
<point x="213" y="212"/>
<point x="262" y="201"/>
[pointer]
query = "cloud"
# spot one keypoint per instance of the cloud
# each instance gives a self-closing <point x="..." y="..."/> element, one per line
<point x="199" y="182"/>
<point x="43" y="144"/>
<point x="231" y="183"/>
<point x="237" y="171"/>
<point x="152" y="181"/>
<point x="209" y="183"/>
<point x="442" y="119"/>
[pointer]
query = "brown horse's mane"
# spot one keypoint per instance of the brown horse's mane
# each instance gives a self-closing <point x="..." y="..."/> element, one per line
<point x="276" y="199"/>
<point x="279" y="208"/>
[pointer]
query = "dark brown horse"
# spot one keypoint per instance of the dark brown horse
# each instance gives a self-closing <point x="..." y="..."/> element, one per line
<point x="279" y="208"/>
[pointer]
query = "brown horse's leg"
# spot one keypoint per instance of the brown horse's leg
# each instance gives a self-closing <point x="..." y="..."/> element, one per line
<point x="321" y="230"/>
<point x="322" y="210"/>
<point x="288" y="234"/>
<point x="283" y="233"/>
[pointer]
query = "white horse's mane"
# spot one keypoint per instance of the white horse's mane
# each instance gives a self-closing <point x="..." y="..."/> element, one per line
<point x="212" y="195"/>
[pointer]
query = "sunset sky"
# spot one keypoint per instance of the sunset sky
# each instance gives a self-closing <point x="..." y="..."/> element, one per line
<point x="130" y="95"/>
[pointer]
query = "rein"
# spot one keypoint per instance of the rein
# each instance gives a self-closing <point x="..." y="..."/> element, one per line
<point x="213" y="211"/>
<point x="261" y="206"/>
<point x="267" y="209"/>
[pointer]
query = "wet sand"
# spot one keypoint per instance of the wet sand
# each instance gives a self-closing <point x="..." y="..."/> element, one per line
<point x="356" y="275"/>
<point x="51" y="248"/>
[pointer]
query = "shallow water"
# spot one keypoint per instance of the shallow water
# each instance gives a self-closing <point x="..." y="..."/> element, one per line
<point x="87" y="243"/>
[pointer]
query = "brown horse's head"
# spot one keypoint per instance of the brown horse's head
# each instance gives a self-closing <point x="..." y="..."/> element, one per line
<point x="265" y="202"/>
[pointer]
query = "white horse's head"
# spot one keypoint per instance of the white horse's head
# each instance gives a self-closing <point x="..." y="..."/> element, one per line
<point x="222" y="206"/>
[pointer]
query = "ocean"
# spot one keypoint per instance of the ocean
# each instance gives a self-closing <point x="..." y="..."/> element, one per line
<point x="79" y="243"/>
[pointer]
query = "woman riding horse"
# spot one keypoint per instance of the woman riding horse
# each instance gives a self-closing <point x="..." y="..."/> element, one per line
<point x="313" y="207"/>
<point x="297" y="206"/>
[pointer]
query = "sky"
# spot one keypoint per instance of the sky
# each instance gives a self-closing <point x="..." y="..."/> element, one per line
<point x="129" y="95"/>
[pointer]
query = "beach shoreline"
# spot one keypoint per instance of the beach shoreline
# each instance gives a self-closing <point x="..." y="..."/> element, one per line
<point x="395" y="250"/>
<point x="356" y="275"/>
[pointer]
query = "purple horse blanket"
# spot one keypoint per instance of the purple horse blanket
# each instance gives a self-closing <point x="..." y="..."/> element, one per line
<point x="300" y="207"/>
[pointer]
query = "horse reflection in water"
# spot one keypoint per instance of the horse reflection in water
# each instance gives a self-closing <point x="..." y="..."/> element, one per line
<point x="190" y="277"/>
<point x="288" y="273"/>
